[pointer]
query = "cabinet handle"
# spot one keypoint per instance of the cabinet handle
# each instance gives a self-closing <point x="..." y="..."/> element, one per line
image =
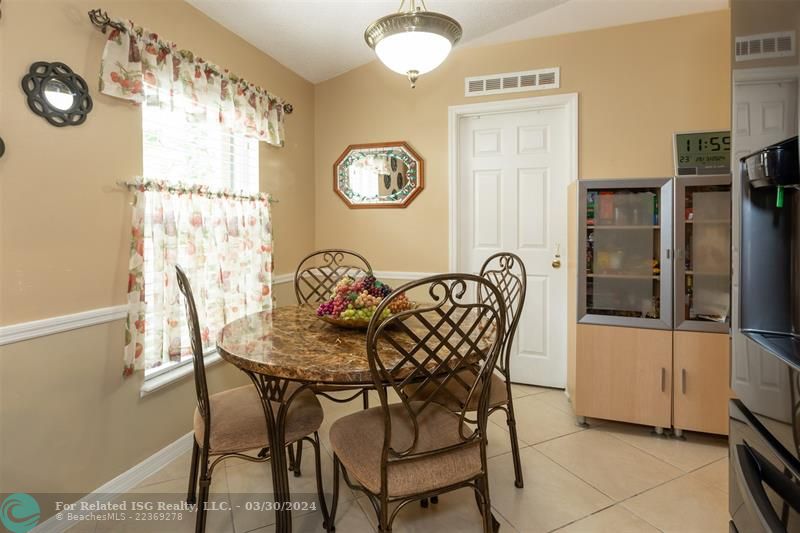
<point x="683" y="380"/>
<point x="663" y="379"/>
<point x="668" y="253"/>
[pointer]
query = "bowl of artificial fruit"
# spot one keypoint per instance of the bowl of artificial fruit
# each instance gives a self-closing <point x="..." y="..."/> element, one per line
<point x="354" y="302"/>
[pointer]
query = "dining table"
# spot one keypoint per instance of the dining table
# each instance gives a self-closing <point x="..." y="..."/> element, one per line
<point x="291" y="345"/>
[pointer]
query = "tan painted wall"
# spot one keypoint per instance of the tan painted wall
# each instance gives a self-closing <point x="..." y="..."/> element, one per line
<point x="637" y="85"/>
<point x="68" y="421"/>
<point x="65" y="224"/>
<point x="66" y="391"/>
<point x="752" y="17"/>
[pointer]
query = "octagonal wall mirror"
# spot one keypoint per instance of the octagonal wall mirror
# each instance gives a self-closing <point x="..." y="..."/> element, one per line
<point x="389" y="174"/>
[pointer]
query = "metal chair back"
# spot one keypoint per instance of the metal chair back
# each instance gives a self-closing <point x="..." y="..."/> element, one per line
<point x="507" y="272"/>
<point x="200" y="384"/>
<point x="319" y="272"/>
<point x="430" y="345"/>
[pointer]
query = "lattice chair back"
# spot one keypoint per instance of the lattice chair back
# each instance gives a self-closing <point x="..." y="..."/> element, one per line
<point x="429" y="345"/>
<point x="201" y="387"/>
<point x="319" y="272"/>
<point x="507" y="272"/>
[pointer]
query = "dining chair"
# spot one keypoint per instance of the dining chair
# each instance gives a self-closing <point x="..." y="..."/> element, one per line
<point x="507" y="272"/>
<point x="417" y="448"/>
<point x="314" y="281"/>
<point x="319" y="272"/>
<point x="230" y="423"/>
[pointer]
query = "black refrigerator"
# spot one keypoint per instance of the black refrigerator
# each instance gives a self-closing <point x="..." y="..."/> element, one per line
<point x="764" y="434"/>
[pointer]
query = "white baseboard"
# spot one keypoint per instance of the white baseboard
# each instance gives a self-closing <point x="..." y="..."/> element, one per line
<point x="123" y="483"/>
<point x="58" y="324"/>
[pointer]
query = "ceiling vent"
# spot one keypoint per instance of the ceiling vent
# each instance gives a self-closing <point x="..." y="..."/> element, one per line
<point x="765" y="46"/>
<point x="513" y="82"/>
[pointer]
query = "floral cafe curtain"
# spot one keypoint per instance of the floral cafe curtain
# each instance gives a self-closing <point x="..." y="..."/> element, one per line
<point x="138" y="58"/>
<point x="222" y="240"/>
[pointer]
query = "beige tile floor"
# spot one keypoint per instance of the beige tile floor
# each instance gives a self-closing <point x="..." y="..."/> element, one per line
<point x="610" y="477"/>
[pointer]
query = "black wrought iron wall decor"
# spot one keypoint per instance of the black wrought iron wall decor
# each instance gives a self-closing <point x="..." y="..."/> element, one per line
<point x="56" y="93"/>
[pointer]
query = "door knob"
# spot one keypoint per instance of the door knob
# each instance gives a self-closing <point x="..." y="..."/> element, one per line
<point x="557" y="257"/>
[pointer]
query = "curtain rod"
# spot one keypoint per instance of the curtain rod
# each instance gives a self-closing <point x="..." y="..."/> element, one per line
<point x="101" y="19"/>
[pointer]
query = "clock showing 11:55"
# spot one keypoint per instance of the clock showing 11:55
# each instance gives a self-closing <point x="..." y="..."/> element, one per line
<point x="702" y="153"/>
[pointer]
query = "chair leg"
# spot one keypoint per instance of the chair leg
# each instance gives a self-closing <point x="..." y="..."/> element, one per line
<point x="330" y="526"/>
<point x="490" y="523"/>
<point x="384" y="526"/>
<point x="320" y="488"/>
<point x="202" y="501"/>
<point x="290" y="453"/>
<point x="512" y="430"/>
<point x="297" y="457"/>
<point x="191" y="496"/>
<point x="365" y="397"/>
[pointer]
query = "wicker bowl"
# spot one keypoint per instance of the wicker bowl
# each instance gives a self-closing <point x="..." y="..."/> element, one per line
<point x="345" y="322"/>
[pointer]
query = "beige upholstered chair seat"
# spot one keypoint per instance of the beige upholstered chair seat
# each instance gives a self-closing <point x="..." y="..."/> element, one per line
<point x="238" y="424"/>
<point x="453" y="394"/>
<point x="357" y="440"/>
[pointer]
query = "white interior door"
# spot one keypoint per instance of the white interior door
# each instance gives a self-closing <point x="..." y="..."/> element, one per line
<point x="764" y="112"/>
<point x="513" y="176"/>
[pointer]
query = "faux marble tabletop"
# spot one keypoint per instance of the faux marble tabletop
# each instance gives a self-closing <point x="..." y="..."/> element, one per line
<point x="292" y="343"/>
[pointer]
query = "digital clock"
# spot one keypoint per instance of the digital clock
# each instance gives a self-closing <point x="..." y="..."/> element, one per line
<point x="702" y="153"/>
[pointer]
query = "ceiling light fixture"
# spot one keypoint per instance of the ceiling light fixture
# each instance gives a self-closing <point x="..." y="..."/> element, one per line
<point x="414" y="41"/>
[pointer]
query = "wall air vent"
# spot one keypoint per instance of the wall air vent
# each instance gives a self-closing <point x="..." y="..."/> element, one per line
<point x="513" y="82"/>
<point x="765" y="46"/>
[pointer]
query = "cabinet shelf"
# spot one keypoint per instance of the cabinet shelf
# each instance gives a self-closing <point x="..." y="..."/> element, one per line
<point x="719" y="274"/>
<point x="707" y="222"/>
<point x="623" y="276"/>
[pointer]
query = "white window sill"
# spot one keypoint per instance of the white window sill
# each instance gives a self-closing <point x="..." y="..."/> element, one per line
<point x="171" y="376"/>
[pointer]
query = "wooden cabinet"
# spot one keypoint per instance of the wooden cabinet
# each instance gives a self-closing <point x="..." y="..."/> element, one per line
<point x="624" y="374"/>
<point x="701" y="366"/>
<point x="653" y="377"/>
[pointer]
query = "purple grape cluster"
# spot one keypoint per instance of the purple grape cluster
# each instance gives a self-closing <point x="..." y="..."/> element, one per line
<point x="351" y="294"/>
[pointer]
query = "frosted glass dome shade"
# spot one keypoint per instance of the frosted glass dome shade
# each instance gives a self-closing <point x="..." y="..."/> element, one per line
<point x="413" y="51"/>
<point x="414" y="42"/>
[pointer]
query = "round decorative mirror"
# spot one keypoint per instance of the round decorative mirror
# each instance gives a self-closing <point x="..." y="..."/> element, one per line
<point x="378" y="175"/>
<point x="56" y="93"/>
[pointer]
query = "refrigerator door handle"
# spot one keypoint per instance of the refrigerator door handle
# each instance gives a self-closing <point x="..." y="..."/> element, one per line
<point x="753" y="471"/>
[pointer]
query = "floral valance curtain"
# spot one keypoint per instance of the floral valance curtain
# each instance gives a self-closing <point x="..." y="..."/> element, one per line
<point x="137" y="57"/>
<point x="222" y="240"/>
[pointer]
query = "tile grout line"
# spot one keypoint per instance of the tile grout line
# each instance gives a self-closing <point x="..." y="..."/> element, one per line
<point x="620" y="502"/>
<point x="659" y="458"/>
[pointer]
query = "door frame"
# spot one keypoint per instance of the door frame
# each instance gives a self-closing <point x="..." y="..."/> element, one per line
<point x="567" y="101"/>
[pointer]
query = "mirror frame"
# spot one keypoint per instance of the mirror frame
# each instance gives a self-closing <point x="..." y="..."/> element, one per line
<point x="34" y="82"/>
<point x="378" y="205"/>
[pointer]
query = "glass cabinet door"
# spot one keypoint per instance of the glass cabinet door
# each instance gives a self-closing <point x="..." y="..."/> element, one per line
<point x="703" y="253"/>
<point x="625" y="239"/>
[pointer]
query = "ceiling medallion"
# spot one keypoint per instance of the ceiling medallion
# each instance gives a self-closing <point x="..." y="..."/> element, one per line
<point x="414" y="41"/>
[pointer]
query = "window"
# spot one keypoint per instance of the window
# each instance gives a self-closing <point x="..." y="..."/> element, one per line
<point x="184" y="142"/>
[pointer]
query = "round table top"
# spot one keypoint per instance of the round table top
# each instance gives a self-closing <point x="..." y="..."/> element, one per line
<point x="292" y="343"/>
